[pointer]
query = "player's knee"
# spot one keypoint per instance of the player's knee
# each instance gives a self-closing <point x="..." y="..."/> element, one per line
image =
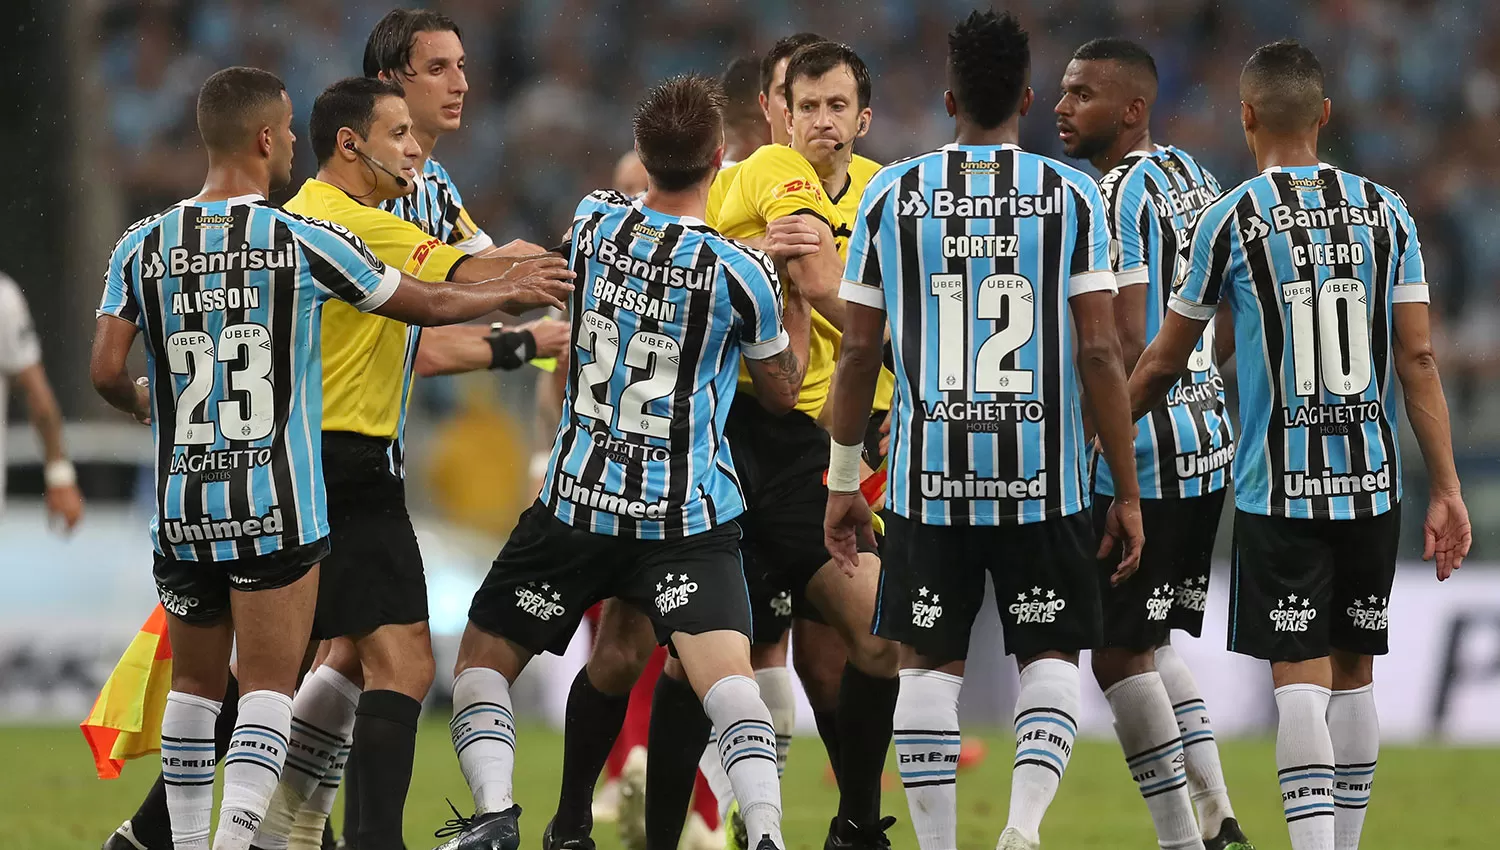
<point x="1114" y="664"/>
<point x="1351" y="670"/>
<point x="874" y="656"/>
<point x="615" y="666"/>
<point x="200" y="683"/>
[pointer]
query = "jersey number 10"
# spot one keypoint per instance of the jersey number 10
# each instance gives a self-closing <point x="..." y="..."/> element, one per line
<point x="999" y="297"/>
<point x="1340" y="343"/>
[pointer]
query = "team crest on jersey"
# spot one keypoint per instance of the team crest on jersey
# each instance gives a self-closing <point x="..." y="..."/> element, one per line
<point x="781" y="604"/>
<point x="1370" y="613"/>
<point x="1293" y="614"/>
<point x="1037" y="606"/>
<point x="926" y="609"/>
<point x="540" y="601"/>
<point x="674" y="593"/>
<point x="1192" y="594"/>
<point x="1160" y="603"/>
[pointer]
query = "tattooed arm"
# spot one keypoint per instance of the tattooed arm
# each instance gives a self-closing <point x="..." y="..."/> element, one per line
<point x="778" y="378"/>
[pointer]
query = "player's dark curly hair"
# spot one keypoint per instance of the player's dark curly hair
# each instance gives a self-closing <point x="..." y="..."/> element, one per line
<point x="350" y="102"/>
<point x="783" y="49"/>
<point x="678" y="127"/>
<point x="815" y="60"/>
<point x="231" y="101"/>
<point x="389" y="46"/>
<point x="1283" y="82"/>
<point x="989" y="56"/>
<point x="1121" y="50"/>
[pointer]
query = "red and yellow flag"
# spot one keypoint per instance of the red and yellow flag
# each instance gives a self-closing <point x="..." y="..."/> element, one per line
<point x="126" y="721"/>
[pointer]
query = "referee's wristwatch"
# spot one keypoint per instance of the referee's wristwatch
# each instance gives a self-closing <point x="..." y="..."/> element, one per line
<point x="510" y="350"/>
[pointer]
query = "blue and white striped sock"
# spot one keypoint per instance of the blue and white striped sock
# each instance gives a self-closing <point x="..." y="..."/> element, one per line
<point x="187" y="766"/>
<point x="1355" y="731"/>
<point x="252" y="766"/>
<point x="747" y="747"/>
<point x="1046" y="712"/>
<point x="1304" y="761"/>
<point x="1147" y="730"/>
<point x="484" y="736"/>
<point x="927" y="744"/>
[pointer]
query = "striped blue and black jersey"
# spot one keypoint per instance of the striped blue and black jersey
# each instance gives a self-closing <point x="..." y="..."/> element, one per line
<point x="663" y="308"/>
<point x="973" y="252"/>
<point x="1311" y="260"/>
<point x="1184" y="447"/>
<point x="228" y="296"/>
<point x="436" y="206"/>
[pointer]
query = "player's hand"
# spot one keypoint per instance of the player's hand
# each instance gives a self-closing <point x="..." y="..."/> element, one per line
<point x="516" y="248"/>
<point x="1123" y="526"/>
<point x="1446" y="532"/>
<point x="846" y="523"/>
<point x="538" y="281"/>
<point x="552" y="337"/>
<point x="142" y="411"/>
<point x="65" y="506"/>
<point x="885" y="436"/>
<point x="790" y="237"/>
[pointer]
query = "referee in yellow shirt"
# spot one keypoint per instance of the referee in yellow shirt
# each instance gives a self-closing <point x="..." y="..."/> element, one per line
<point x="373" y="588"/>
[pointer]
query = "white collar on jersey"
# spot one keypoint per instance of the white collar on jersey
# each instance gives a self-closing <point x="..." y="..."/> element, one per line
<point x="640" y="204"/>
<point x="237" y="200"/>
<point x="953" y="146"/>
<point x="1279" y="168"/>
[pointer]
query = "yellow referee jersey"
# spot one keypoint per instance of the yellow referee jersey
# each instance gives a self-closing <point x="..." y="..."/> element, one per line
<point x="773" y="182"/>
<point x="368" y="359"/>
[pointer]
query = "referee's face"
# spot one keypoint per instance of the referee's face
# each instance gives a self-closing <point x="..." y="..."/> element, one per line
<point x="392" y="144"/>
<point x="825" y="113"/>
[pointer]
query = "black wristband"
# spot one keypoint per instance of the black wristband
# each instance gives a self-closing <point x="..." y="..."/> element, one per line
<point x="510" y="350"/>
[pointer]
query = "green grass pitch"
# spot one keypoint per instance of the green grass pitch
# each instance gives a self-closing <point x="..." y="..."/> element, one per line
<point x="1426" y="798"/>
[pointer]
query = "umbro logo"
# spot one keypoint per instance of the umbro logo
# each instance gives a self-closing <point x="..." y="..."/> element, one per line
<point x="913" y="205"/>
<point x="1255" y="228"/>
<point x="153" y="268"/>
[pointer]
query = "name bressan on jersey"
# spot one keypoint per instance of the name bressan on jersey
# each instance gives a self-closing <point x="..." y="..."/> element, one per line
<point x="608" y="253"/>
<point x="634" y="300"/>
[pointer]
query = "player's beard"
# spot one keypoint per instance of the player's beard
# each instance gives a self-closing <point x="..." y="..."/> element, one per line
<point x="1086" y="147"/>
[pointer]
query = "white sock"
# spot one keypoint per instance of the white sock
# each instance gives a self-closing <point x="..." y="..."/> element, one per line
<point x="1147" y="730"/>
<point x="1355" y="732"/>
<point x="1046" y="724"/>
<point x="187" y="766"/>
<point x="307" y="827"/>
<point x="781" y="700"/>
<point x="322" y="720"/>
<point x="718" y="781"/>
<point x="252" y="766"/>
<point x="1304" y="762"/>
<point x="1205" y="773"/>
<point x="484" y="736"/>
<point x="927" y="744"/>
<point x="747" y="747"/>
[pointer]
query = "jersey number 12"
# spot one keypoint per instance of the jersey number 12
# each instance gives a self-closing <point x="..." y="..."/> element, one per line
<point x="1000" y="297"/>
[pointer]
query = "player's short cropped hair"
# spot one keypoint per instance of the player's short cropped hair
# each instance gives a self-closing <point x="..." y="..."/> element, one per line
<point x="1284" y="82"/>
<point x="741" y="84"/>
<point x="815" y="60"/>
<point x="989" y="56"/>
<point x="678" y="128"/>
<point x="350" y="102"/>
<point x="230" y="104"/>
<point x="1121" y="50"/>
<point x="389" y="45"/>
<point x="783" y="49"/>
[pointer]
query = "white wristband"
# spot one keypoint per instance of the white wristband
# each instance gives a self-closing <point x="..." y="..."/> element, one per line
<point x="843" y="467"/>
<point x="60" y="473"/>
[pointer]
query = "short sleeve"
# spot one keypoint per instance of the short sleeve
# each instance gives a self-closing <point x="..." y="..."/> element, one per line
<point x="343" y="265"/>
<point x="862" y="273"/>
<point x="782" y="183"/>
<point x="1210" y="246"/>
<point x="1411" y="271"/>
<point x="1131" y="218"/>
<point x="1089" y="266"/>
<point x="755" y="294"/>
<point x="119" y="298"/>
<point x="19" y="347"/>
